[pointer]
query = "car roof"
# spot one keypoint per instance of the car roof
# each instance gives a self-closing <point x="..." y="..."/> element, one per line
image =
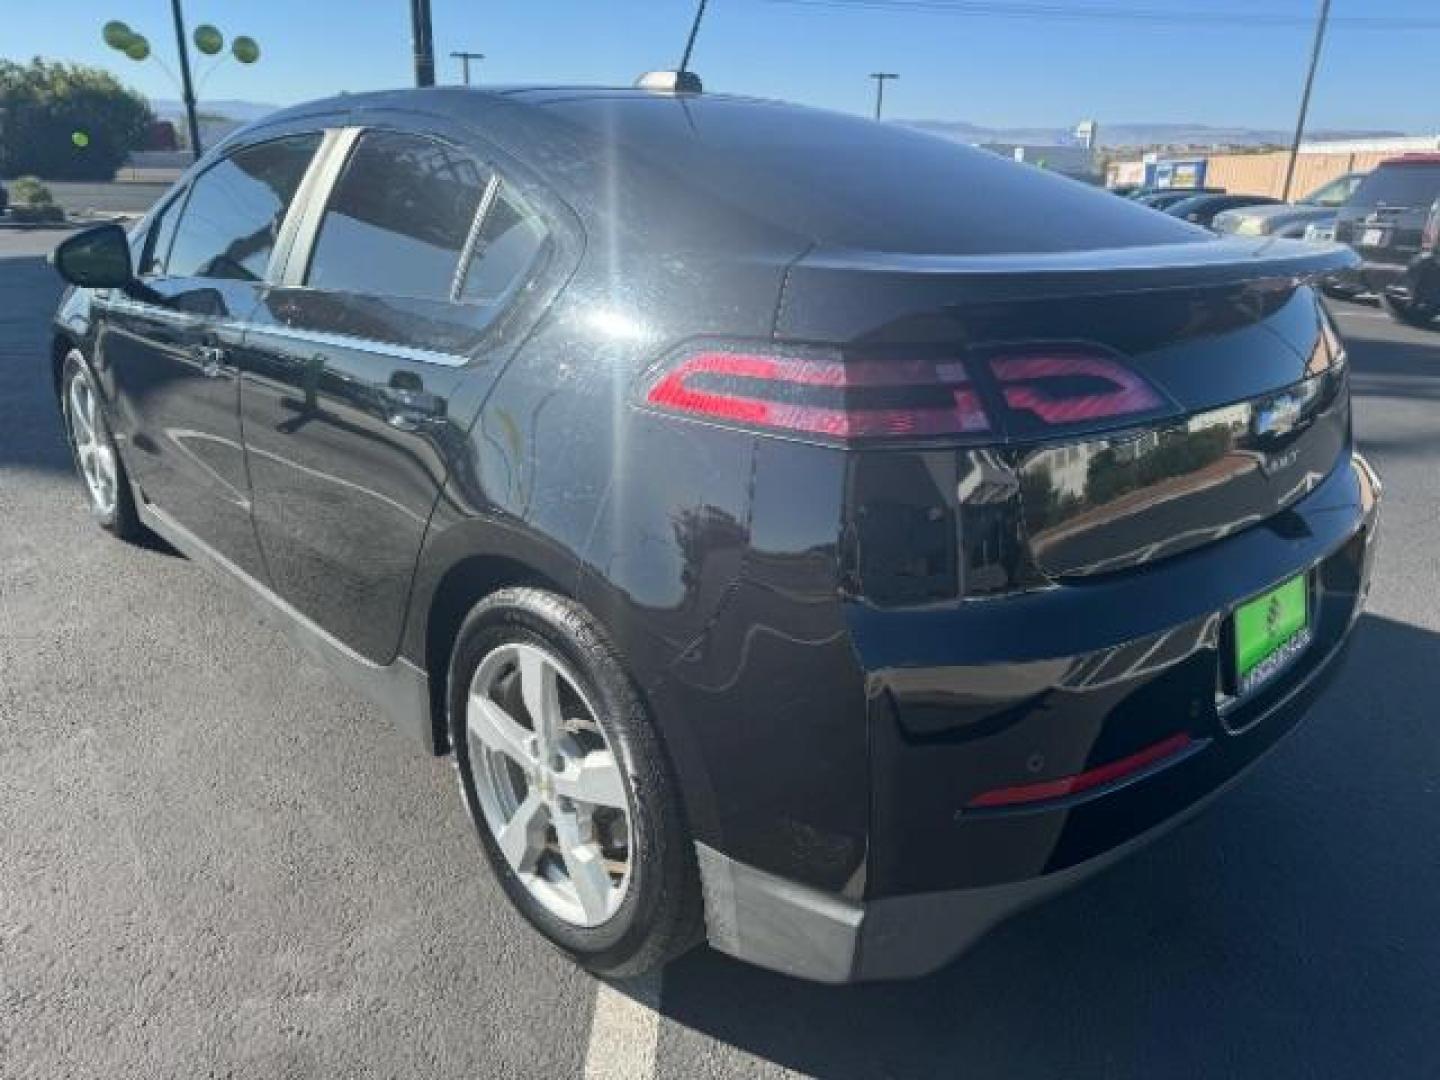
<point x="830" y="178"/>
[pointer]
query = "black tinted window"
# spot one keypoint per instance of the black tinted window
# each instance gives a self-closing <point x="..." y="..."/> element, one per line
<point x="398" y="219"/>
<point x="230" y="222"/>
<point x="510" y="239"/>
<point x="1399" y="185"/>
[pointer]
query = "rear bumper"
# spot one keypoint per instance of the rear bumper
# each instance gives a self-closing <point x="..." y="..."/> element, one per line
<point x="942" y="872"/>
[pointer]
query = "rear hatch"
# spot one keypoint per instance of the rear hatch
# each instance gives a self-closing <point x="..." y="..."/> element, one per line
<point x="1109" y="408"/>
<point x="1384" y="221"/>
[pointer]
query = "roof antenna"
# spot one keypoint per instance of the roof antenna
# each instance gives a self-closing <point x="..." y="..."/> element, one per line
<point x="690" y="42"/>
<point x="683" y="80"/>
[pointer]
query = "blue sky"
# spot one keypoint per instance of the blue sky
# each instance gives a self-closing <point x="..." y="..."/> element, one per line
<point x="991" y="71"/>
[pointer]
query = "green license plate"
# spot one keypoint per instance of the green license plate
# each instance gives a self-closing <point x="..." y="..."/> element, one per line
<point x="1270" y="631"/>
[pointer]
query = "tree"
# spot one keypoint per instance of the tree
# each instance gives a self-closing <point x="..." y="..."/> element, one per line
<point x="67" y="121"/>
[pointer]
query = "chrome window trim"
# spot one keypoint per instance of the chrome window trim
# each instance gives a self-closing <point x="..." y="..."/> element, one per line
<point x="317" y="190"/>
<point x="370" y="345"/>
<point x="317" y="180"/>
<point x="314" y="337"/>
<point x="472" y="238"/>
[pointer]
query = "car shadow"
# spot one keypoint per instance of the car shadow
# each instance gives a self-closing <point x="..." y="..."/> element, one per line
<point x="30" y="433"/>
<point x="1287" y="931"/>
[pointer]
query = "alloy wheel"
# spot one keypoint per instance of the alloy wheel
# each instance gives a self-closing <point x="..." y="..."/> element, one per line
<point x="93" y="451"/>
<point x="549" y="784"/>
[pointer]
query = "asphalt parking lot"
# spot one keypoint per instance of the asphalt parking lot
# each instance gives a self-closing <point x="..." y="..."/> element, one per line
<point x="216" y="861"/>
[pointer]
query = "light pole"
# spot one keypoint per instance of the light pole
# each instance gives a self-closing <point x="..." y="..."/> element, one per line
<point x="424" y="42"/>
<point x="465" y="58"/>
<point x="208" y="41"/>
<point x="188" y="88"/>
<point x="880" y="77"/>
<point x="1305" y="96"/>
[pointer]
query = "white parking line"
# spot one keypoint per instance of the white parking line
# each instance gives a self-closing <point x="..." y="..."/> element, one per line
<point x="624" y="1030"/>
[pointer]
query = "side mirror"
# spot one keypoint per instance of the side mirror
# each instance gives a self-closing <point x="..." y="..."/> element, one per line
<point x="98" y="258"/>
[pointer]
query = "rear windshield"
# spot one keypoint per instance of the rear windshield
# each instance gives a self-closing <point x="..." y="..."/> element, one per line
<point x="851" y="182"/>
<point x="1399" y="185"/>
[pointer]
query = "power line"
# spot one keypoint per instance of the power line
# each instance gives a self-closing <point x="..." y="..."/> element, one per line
<point x="1080" y="12"/>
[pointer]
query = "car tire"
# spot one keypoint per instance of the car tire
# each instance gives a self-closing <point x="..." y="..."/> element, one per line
<point x="92" y="446"/>
<point x="1409" y="312"/>
<point x="510" y="774"/>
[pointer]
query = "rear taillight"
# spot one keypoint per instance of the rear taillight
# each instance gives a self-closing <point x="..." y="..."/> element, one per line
<point x="815" y="395"/>
<point x="1059" y="388"/>
<point x="1020" y="392"/>
<point x="1430" y="238"/>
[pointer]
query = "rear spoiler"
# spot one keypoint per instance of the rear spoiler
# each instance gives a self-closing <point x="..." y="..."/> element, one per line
<point x="828" y="290"/>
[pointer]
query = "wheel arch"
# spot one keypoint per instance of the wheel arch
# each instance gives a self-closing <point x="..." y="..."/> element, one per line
<point x="61" y="343"/>
<point x="449" y="595"/>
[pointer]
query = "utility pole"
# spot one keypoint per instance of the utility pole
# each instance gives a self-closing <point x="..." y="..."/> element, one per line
<point x="880" y="77"/>
<point x="690" y="42"/>
<point x="1305" y="97"/>
<point x="424" y="40"/>
<point x="465" y="58"/>
<point x="187" y="87"/>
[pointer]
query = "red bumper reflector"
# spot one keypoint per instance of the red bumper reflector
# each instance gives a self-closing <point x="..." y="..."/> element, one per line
<point x="1090" y="778"/>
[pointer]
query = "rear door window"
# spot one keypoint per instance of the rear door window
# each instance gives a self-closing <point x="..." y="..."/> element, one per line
<point x="232" y="218"/>
<point x="1413" y="186"/>
<point x="398" y="219"/>
<point x="421" y="245"/>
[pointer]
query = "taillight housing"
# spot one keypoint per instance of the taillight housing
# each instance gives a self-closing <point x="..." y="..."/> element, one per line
<point x="1430" y="237"/>
<point x="1017" y="392"/>
<point x="819" y="394"/>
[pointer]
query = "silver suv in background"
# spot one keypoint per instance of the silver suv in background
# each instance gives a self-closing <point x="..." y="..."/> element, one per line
<point x="1291" y="219"/>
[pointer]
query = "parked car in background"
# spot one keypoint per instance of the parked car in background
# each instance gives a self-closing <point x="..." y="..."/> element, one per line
<point x="1167" y="197"/>
<point x="788" y="551"/>
<point x="1201" y="209"/>
<point x="1393" y="223"/>
<point x="1290" y="219"/>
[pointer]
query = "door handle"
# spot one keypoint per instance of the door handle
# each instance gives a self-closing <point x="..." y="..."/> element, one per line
<point x="408" y="404"/>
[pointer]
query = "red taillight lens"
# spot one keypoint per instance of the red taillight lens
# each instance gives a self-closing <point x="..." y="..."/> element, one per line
<point x="822" y="396"/>
<point x="1029" y="393"/>
<point x="1060" y="388"/>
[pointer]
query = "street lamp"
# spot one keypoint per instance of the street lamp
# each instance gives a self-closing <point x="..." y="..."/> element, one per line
<point x="465" y="58"/>
<point x="208" y="41"/>
<point x="880" y="77"/>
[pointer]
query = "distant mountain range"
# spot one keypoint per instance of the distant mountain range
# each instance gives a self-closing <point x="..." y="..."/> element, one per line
<point x="245" y="111"/>
<point x="1120" y="135"/>
<point x="1117" y="135"/>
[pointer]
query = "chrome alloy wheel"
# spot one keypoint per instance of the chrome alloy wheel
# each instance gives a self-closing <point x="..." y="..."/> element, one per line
<point x="93" y="451"/>
<point x="548" y="783"/>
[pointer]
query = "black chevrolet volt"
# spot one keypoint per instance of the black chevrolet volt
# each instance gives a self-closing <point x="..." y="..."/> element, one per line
<point x="805" y="533"/>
